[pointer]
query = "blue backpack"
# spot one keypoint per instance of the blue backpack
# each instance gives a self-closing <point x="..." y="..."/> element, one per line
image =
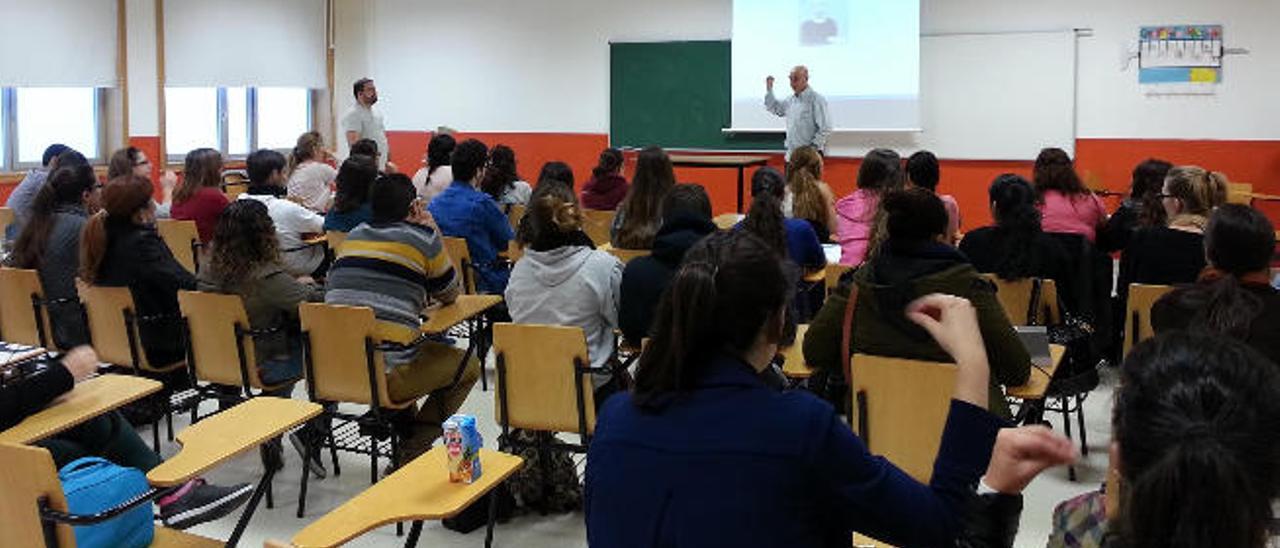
<point x="92" y="485"/>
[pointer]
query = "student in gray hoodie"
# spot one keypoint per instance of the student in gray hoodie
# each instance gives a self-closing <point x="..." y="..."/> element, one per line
<point x="563" y="280"/>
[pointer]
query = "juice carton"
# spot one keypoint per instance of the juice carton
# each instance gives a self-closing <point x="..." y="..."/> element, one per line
<point x="462" y="443"/>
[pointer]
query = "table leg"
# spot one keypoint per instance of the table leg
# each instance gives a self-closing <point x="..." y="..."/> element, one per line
<point x="250" y="507"/>
<point x="414" y="532"/>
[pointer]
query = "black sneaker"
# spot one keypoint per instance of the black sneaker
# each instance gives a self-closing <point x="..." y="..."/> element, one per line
<point x="204" y="503"/>
<point x="313" y="462"/>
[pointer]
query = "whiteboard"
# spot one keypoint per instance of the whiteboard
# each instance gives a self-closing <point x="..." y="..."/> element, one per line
<point x="986" y="97"/>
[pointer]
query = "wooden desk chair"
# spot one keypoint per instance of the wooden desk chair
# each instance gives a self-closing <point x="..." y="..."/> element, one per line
<point x="460" y="256"/>
<point x="24" y="313"/>
<point x="183" y="240"/>
<point x="834" y="272"/>
<point x="220" y="344"/>
<point x="33" y="510"/>
<point x="1239" y="193"/>
<point x="335" y="239"/>
<point x="342" y="349"/>
<point x="905" y="430"/>
<point x="1018" y="297"/>
<point x="544" y="384"/>
<point x="6" y="218"/>
<point x="419" y="491"/>
<point x="515" y="213"/>
<point x="599" y="225"/>
<point x="726" y="221"/>
<point x="793" y="365"/>
<point x="1137" y="322"/>
<point x="113" y="330"/>
<point x="234" y="183"/>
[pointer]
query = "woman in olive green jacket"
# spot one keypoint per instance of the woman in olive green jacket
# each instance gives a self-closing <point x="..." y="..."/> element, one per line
<point x="911" y="263"/>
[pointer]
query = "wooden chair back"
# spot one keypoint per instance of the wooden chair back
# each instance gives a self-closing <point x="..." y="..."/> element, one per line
<point x="1240" y="193"/>
<point x="6" y="218"/>
<point x="900" y="408"/>
<point x="234" y="183"/>
<point x="460" y="256"/>
<point x="27" y="476"/>
<point x="1015" y="299"/>
<point x="115" y="341"/>
<point x="834" y="272"/>
<point x="537" y="375"/>
<point x="339" y="344"/>
<point x="1137" y="315"/>
<point x="598" y="225"/>
<point x="183" y="239"/>
<point x="215" y="347"/>
<point x="335" y="239"/>
<point x="18" y="321"/>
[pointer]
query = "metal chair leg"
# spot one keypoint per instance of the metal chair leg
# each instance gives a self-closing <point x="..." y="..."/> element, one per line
<point x="493" y="516"/>
<point x="1084" y="444"/>
<point x="155" y="435"/>
<point x="414" y="532"/>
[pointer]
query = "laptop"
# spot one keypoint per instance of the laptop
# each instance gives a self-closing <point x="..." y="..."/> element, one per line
<point x="1035" y="338"/>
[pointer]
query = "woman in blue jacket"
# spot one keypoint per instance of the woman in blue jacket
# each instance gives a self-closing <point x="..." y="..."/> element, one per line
<point x="703" y="453"/>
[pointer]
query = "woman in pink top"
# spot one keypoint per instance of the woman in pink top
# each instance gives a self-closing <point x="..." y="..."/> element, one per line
<point x="199" y="196"/>
<point x="856" y="214"/>
<point x="923" y="172"/>
<point x="1065" y="204"/>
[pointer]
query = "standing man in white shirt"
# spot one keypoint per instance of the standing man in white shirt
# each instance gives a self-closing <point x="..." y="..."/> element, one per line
<point x="362" y="122"/>
<point x="808" y="122"/>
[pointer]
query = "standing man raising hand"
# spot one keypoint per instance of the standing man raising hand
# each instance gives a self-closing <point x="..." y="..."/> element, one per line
<point x="808" y="122"/>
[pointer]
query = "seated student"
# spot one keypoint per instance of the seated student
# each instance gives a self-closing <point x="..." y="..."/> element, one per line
<point x="110" y="436"/>
<point x="1140" y="209"/>
<point x="199" y="195"/>
<point x="794" y="239"/>
<point x="310" y="179"/>
<point x="561" y="281"/>
<point x="640" y="215"/>
<point x="607" y="186"/>
<point x="293" y="222"/>
<point x="24" y="194"/>
<point x="351" y="203"/>
<point x="1016" y="247"/>
<point x="857" y="213"/>
<point x="1233" y="296"/>
<point x="50" y="244"/>
<point x="1065" y="204"/>
<point x="1194" y="443"/>
<point x="686" y="219"/>
<point x="119" y="247"/>
<point x="462" y="211"/>
<point x="556" y="171"/>
<point x="807" y="197"/>
<point x="703" y="453"/>
<point x="1174" y="254"/>
<point x="131" y="160"/>
<point x="369" y="147"/>
<point x="923" y="172"/>
<point x="393" y="265"/>
<point x="502" y="182"/>
<point x="914" y="261"/>
<point x="436" y="176"/>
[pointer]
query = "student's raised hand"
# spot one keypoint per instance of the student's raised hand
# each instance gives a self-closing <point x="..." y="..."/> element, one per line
<point x="392" y="168"/>
<point x="953" y="322"/>
<point x="81" y="361"/>
<point x="1020" y="454"/>
<point x="768" y="83"/>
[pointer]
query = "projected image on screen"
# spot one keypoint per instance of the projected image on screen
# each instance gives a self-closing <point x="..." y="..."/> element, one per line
<point x="863" y="57"/>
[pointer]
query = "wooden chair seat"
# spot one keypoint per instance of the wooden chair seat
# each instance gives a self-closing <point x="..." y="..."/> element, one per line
<point x="419" y="490"/>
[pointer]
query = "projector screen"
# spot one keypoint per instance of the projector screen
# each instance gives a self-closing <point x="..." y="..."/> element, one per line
<point x="862" y="55"/>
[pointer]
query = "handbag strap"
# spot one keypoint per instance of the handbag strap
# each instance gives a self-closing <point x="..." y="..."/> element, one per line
<point x="1033" y="307"/>
<point x="846" y="334"/>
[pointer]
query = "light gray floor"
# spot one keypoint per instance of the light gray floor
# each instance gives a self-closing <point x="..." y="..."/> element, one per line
<point x="568" y="530"/>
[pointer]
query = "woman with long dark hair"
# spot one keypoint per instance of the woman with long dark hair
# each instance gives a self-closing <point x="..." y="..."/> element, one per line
<point x="858" y="215"/>
<point x="607" y="186"/>
<point x="436" y="176"/>
<point x="703" y="453"/>
<point x="351" y="204"/>
<point x="1233" y="297"/>
<point x="1140" y="209"/>
<point x="556" y="171"/>
<point x="199" y="197"/>
<point x="1016" y="247"/>
<point x="502" y="181"/>
<point x="1065" y="204"/>
<point x="923" y="172"/>
<point x="50" y="244"/>
<point x="640" y="215"/>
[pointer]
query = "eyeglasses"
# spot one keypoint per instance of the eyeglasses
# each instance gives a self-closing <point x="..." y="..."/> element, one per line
<point x="1163" y="196"/>
<point x="143" y="163"/>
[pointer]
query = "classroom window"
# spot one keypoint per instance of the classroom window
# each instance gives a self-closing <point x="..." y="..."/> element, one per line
<point x="31" y="119"/>
<point x="234" y="120"/>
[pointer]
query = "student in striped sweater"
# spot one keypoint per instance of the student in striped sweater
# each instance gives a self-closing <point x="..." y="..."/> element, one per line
<point x="393" y="265"/>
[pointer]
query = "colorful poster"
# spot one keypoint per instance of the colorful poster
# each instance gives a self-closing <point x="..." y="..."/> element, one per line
<point x="1180" y="54"/>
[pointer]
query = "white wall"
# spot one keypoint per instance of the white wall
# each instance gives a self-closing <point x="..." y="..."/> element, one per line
<point x="516" y="65"/>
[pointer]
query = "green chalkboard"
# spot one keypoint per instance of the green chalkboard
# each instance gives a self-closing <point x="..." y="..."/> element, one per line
<point x="675" y="95"/>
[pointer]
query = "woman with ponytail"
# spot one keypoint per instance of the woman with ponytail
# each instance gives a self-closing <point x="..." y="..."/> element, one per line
<point x="703" y="453"/>
<point x="119" y="247"/>
<point x="1195" y="448"/>
<point x="1174" y="254"/>
<point x="607" y="186"/>
<point x="310" y="179"/>
<point x="1016" y="247"/>
<point x="640" y="215"/>
<point x="1233" y="297"/>
<point x="1140" y="209"/>
<point x="50" y="244"/>
<point x="807" y="197"/>
<point x="1065" y="204"/>
<point x="793" y="239"/>
<point x="563" y="280"/>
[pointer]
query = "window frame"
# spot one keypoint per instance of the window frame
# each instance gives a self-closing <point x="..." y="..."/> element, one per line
<point x="251" y="111"/>
<point x="10" y="125"/>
